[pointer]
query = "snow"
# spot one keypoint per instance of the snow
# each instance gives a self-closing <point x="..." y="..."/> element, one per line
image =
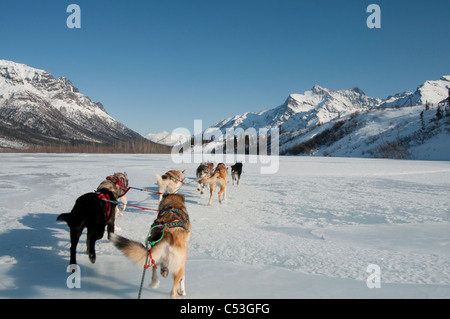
<point x="167" y="138"/>
<point x="437" y="148"/>
<point x="299" y="111"/>
<point x="429" y="92"/>
<point x="4" y="142"/>
<point x="321" y="106"/>
<point x="371" y="129"/>
<point x="435" y="91"/>
<point x="308" y="231"/>
<point x="22" y="80"/>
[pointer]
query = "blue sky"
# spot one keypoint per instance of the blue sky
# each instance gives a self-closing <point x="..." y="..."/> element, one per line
<point x="159" y="65"/>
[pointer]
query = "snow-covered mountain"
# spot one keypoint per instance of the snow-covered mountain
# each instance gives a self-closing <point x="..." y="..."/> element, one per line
<point x="321" y="105"/>
<point x="401" y="133"/>
<point x="166" y="138"/>
<point x="349" y="123"/>
<point x="299" y="111"/>
<point x="36" y="108"/>
<point x="429" y="92"/>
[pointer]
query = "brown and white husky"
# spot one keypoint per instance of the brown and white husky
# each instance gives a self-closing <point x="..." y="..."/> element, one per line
<point x="170" y="235"/>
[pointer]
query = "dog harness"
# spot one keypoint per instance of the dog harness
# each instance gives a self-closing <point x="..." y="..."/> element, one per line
<point x="116" y="180"/>
<point x="170" y="174"/>
<point x="222" y="170"/>
<point x="107" y="200"/>
<point x="210" y="172"/>
<point x="183" y="218"/>
<point x="149" y="261"/>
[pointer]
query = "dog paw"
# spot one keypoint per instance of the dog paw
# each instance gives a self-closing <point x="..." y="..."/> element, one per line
<point x="164" y="272"/>
<point x="154" y="284"/>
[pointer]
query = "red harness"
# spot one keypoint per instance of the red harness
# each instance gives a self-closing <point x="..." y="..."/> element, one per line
<point x="117" y="181"/>
<point x="107" y="200"/>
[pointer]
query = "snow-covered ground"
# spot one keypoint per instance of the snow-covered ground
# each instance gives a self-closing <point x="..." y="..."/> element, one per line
<point x="309" y="231"/>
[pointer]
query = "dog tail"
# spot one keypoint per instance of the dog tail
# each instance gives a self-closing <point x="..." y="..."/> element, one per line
<point x="63" y="217"/>
<point x="208" y="179"/>
<point x="135" y="251"/>
<point x="205" y="180"/>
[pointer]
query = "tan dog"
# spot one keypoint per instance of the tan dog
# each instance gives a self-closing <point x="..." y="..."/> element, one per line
<point x="219" y="179"/>
<point x="118" y="185"/>
<point x="171" y="231"/>
<point x="170" y="181"/>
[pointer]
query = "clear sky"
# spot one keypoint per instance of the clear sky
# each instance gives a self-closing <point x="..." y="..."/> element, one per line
<point x="159" y="65"/>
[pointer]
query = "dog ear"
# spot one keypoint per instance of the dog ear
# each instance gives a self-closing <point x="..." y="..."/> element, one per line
<point x="183" y="171"/>
<point x="182" y="196"/>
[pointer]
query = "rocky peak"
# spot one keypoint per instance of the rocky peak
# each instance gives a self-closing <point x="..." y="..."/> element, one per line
<point x="33" y="100"/>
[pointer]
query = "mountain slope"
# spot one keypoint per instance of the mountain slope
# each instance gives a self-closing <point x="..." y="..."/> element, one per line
<point x="401" y="133"/>
<point x="348" y="123"/>
<point x="320" y="105"/>
<point x="299" y="111"/>
<point x="166" y="138"/>
<point x="429" y="92"/>
<point x="36" y="108"/>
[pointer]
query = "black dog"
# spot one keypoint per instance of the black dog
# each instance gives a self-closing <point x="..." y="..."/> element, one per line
<point x="93" y="211"/>
<point x="236" y="171"/>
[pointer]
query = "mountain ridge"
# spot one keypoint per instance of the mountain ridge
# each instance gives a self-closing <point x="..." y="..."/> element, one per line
<point x="320" y="105"/>
<point x="348" y="123"/>
<point x="37" y="108"/>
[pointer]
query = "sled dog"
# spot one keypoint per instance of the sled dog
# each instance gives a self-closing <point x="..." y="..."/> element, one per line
<point x="170" y="181"/>
<point x="171" y="231"/>
<point x="93" y="211"/>
<point x="204" y="170"/>
<point x="118" y="185"/>
<point x="219" y="179"/>
<point x="236" y="171"/>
